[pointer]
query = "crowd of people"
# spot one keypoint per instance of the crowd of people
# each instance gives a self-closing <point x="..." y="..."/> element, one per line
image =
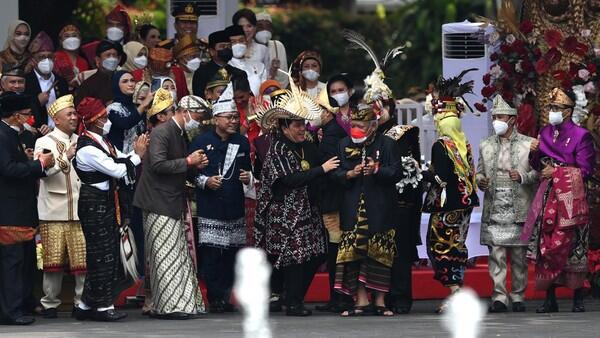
<point x="134" y="156"/>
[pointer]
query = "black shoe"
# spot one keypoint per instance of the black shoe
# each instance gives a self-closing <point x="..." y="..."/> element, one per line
<point x="81" y="314"/>
<point x="108" y="315"/>
<point x="228" y="307"/>
<point x="275" y="306"/>
<point x="50" y="313"/>
<point x="25" y="320"/>
<point x="297" y="311"/>
<point x="497" y="307"/>
<point x="547" y="307"/>
<point x="328" y="307"/>
<point x="173" y="316"/>
<point x="401" y="309"/>
<point x="578" y="308"/>
<point x="217" y="307"/>
<point x="518" y="307"/>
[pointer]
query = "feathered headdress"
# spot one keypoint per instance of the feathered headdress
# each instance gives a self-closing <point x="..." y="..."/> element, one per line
<point x="447" y="91"/>
<point x="375" y="89"/>
<point x="295" y="104"/>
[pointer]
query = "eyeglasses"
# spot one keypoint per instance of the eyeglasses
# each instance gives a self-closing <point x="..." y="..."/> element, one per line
<point x="230" y="117"/>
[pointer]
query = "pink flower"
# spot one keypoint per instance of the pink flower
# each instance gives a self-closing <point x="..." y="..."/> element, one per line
<point x="583" y="74"/>
<point x="589" y="87"/>
<point x="586" y="33"/>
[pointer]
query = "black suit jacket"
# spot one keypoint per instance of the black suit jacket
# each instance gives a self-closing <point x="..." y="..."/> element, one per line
<point x="32" y="87"/>
<point x="161" y="188"/>
<point x="18" y="181"/>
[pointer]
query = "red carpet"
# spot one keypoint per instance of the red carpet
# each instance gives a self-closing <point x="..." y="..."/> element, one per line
<point x="424" y="286"/>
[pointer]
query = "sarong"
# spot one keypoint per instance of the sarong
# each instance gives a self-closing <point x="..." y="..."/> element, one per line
<point x="364" y="258"/>
<point x="63" y="245"/>
<point x="172" y="273"/>
<point x="446" y="245"/>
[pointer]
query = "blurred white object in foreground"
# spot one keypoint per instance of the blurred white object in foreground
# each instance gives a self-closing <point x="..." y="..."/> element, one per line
<point x="252" y="274"/>
<point x="464" y="314"/>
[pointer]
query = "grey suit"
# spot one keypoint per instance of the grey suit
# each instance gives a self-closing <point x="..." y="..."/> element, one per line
<point x="161" y="189"/>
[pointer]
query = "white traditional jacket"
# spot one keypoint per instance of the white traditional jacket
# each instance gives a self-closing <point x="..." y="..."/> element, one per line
<point x="59" y="191"/>
<point x="505" y="202"/>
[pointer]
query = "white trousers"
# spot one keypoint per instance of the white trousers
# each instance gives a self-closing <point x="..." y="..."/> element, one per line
<point x="497" y="264"/>
<point x="52" y="285"/>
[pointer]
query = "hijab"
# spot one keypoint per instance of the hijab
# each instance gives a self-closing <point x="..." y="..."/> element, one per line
<point x="10" y="43"/>
<point x="132" y="49"/>
<point x="120" y="97"/>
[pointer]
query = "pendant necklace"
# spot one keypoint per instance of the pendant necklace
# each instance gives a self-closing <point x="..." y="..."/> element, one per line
<point x="303" y="163"/>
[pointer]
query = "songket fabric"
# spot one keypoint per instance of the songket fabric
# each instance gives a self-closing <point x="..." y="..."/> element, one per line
<point x="222" y="233"/>
<point x="172" y="274"/>
<point x="559" y="225"/>
<point x="64" y="246"/>
<point x="446" y="245"/>
<point x="364" y="258"/>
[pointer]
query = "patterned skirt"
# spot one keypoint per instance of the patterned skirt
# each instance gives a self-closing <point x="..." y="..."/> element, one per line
<point x="364" y="258"/>
<point x="64" y="245"/>
<point x="172" y="275"/>
<point x="446" y="245"/>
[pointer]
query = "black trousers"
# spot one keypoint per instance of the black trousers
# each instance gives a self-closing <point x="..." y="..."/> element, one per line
<point x="14" y="290"/>
<point x="297" y="279"/>
<point x="217" y="271"/>
<point x="98" y="222"/>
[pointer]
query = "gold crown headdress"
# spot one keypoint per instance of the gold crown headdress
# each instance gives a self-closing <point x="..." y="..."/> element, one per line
<point x="295" y="104"/>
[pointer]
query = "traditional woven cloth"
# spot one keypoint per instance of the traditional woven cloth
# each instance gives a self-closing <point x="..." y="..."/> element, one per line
<point x="446" y="245"/>
<point x="172" y="274"/>
<point x="222" y="234"/>
<point x="64" y="245"/>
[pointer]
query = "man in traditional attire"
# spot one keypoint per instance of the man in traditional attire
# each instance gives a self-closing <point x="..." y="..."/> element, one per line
<point x="256" y="71"/>
<point x="186" y="23"/>
<point x="557" y="223"/>
<point x="62" y="238"/>
<point x="509" y="182"/>
<point x="288" y="225"/>
<point x="368" y="170"/>
<point x="162" y="197"/>
<point x="219" y="48"/>
<point x="109" y="55"/>
<point x="42" y="83"/>
<point x="220" y="199"/>
<point x="18" y="210"/>
<point x="110" y="251"/>
<point x="452" y="194"/>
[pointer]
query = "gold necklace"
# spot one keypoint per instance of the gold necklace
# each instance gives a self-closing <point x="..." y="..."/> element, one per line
<point x="304" y="164"/>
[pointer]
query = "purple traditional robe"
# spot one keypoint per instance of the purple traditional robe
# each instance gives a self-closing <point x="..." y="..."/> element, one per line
<point x="573" y="146"/>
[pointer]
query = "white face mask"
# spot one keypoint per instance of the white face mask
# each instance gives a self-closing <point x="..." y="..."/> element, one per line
<point x="110" y="63"/>
<point x="71" y="43"/>
<point x="191" y="124"/>
<point x="238" y="50"/>
<point x="263" y="37"/>
<point x="45" y="66"/>
<point x="341" y="98"/>
<point x="174" y="94"/>
<point x="555" y="118"/>
<point x="106" y="127"/>
<point x="140" y="61"/>
<point x="114" y="34"/>
<point x="500" y="127"/>
<point x="22" y="40"/>
<point x="310" y="75"/>
<point x="193" y="64"/>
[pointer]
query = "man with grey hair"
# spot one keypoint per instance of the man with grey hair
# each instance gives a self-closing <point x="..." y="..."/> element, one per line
<point x="508" y="181"/>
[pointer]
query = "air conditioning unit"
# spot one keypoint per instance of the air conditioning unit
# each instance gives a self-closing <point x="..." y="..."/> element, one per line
<point x="463" y="47"/>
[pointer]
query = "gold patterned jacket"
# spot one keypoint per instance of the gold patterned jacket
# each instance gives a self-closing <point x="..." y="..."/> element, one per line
<point x="518" y="159"/>
<point x="59" y="190"/>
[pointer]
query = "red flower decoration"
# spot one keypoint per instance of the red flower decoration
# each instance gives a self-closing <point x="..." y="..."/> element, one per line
<point x="566" y="84"/>
<point x="553" y="38"/>
<point x="541" y="66"/>
<point x="570" y="44"/>
<point x="525" y="120"/>
<point x="526" y="27"/>
<point x="581" y="49"/>
<point x="553" y="56"/>
<point x="537" y="53"/>
<point x="488" y="91"/>
<point x="519" y="47"/>
<point x="486" y="79"/>
<point x="560" y="75"/>
<point x="596" y="110"/>
<point x="481" y="107"/>
<point x="494" y="57"/>
<point x="507" y="67"/>
<point x="508" y="95"/>
<point x="591" y="68"/>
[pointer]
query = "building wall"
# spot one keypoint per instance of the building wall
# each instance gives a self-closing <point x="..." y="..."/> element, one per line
<point x="9" y="11"/>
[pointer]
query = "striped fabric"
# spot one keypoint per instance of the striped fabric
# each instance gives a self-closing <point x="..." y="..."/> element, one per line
<point x="172" y="275"/>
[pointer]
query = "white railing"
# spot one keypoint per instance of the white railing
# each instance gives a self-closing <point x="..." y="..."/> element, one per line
<point x="414" y="114"/>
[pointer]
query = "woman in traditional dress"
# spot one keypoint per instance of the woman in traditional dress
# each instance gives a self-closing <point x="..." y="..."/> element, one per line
<point x="288" y="224"/>
<point x="452" y="194"/>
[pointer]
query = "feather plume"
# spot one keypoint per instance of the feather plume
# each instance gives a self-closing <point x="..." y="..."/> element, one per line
<point x="452" y="87"/>
<point x="358" y="42"/>
<point x="391" y="54"/>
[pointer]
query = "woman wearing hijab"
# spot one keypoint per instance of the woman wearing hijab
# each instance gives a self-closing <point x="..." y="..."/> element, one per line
<point x="452" y="194"/>
<point x="15" y="47"/>
<point x="137" y="56"/>
<point x="127" y="119"/>
<point x="67" y="61"/>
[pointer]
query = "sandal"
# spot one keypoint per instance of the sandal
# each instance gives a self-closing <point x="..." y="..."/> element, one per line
<point x="383" y="311"/>
<point x="356" y="311"/>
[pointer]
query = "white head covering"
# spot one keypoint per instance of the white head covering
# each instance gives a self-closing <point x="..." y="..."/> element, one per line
<point x="225" y="103"/>
<point x="263" y="16"/>
<point x="11" y="35"/>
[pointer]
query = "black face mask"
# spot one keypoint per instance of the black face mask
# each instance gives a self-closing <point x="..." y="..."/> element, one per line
<point x="225" y="54"/>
